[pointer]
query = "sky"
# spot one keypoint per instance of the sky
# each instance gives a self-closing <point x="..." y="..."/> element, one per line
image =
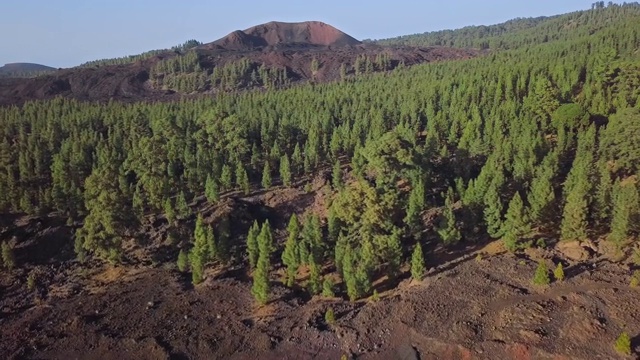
<point x="66" y="33"/>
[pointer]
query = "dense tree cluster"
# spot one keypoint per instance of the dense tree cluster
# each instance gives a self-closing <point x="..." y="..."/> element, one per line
<point x="189" y="44"/>
<point x="536" y="141"/>
<point x="186" y="75"/>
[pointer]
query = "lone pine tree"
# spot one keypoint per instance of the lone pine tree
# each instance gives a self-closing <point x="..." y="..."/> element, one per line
<point x="200" y="251"/>
<point x="417" y="263"/>
<point x="290" y="254"/>
<point x="541" y="276"/>
<point x="260" y="288"/>
<point x="558" y="272"/>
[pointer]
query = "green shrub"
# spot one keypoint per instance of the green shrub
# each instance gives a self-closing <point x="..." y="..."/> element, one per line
<point x="558" y="273"/>
<point x="31" y="281"/>
<point x="330" y="316"/>
<point x="541" y="276"/>
<point x="183" y="261"/>
<point x="8" y="258"/>
<point x="623" y="344"/>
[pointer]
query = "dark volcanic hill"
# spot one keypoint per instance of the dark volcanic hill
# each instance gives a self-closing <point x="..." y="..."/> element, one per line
<point x="275" y="33"/>
<point x="24" y="69"/>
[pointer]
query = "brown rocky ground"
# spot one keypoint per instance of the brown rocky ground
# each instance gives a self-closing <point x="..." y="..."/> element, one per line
<point x="467" y="307"/>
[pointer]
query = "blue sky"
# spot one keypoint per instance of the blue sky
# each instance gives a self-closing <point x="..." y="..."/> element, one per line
<point x="64" y="33"/>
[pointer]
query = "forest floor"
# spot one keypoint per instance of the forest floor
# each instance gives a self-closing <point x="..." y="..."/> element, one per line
<point x="467" y="307"/>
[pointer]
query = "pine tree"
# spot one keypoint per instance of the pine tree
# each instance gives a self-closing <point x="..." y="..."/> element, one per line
<point x="200" y="232"/>
<point x="211" y="190"/>
<point x="577" y="190"/>
<point x="182" y="209"/>
<point x="417" y="263"/>
<point x="493" y="212"/>
<point x="266" y="176"/>
<point x="625" y="205"/>
<point x="393" y="255"/>
<point x="574" y="215"/>
<point x="349" y="274"/>
<point x="541" y="276"/>
<point x="312" y="238"/>
<point x="363" y="278"/>
<point x="327" y="288"/>
<point x="226" y="177"/>
<point x="183" y="261"/>
<point x="169" y="212"/>
<point x="414" y="208"/>
<point x="338" y="252"/>
<point x="296" y="160"/>
<point x="333" y="225"/>
<point x="516" y="224"/>
<point x="260" y="288"/>
<point x="285" y="170"/>
<point x="336" y="176"/>
<point x="242" y="179"/>
<point x="603" y="197"/>
<point x="252" y="244"/>
<point x="558" y="273"/>
<point x="447" y="228"/>
<point x="212" y="246"/>
<point x="199" y="253"/>
<point x="8" y="258"/>
<point x="290" y="254"/>
<point x="541" y="194"/>
<point x="314" y="284"/>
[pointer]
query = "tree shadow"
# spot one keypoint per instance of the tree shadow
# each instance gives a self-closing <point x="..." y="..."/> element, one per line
<point x="41" y="241"/>
<point x="445" y="258"/>
<point x="635" y="344"/>
<point x="184" y="281"/>
<point x="297" y="293"/>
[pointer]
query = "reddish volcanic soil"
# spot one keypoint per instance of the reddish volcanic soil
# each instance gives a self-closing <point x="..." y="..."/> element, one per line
<point x="467" y="307"/>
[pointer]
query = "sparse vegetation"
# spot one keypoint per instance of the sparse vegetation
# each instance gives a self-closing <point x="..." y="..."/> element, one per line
<point x="31" y="281"/>
<point x="558" y="272"/>
<point x="375" y="297"/>
<point x="635" y="279"/>
<point x="541" y="276"/>
<point x="330" y="316"/>
<point x="8" y="259"/>
<point x="623" y="344"/>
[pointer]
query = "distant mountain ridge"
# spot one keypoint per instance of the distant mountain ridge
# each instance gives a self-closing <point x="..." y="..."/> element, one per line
<point x="24" y="70"/>
<point x="314" y="33"/>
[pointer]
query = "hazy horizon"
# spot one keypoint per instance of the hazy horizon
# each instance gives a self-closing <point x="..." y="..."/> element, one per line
<point x="70" y="32"/>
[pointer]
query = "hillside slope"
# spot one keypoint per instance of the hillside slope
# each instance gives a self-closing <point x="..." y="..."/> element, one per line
<point x="272" y="55"/>
<point x="484" y="208"/>
<point x="518" y="33"/>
